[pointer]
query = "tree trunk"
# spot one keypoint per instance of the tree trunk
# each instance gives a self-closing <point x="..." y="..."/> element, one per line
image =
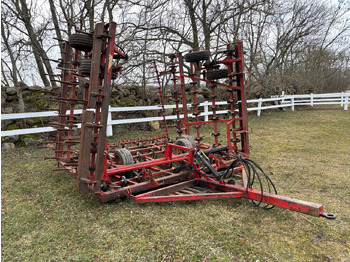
<point x="38" y="51"/>
<point x="192" y="11"/>
<point x="14" y="73"/>
<point x="55" y="22"/>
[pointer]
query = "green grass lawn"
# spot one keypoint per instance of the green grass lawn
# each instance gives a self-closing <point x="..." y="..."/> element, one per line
<point x="305" y="153"/>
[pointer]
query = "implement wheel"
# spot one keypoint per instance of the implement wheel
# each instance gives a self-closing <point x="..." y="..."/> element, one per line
<point x="184" y="142"/>
<point x="181" y="141"/>
<point x="81" y="42"/>
<point x="123" y="156"/>
<point x="217" y="74"/>
<point x="189" y="138"/>
<point x="114" y="74"/>
<point x="197" y="56"/>
<point x="85" y="67"/>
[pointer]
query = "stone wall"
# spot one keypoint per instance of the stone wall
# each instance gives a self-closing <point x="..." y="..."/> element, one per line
<point x="37" y="99"/>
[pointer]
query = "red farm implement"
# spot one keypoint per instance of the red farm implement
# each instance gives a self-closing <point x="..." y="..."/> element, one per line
<point x="159" y="169"/>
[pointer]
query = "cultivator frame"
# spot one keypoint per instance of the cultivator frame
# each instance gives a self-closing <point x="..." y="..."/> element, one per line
<point x="159" y="169"/>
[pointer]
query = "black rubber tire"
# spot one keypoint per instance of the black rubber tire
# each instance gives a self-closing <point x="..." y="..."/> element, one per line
<point x="197" y="56"/>
<point x="81" y="42"/>
<point x="123" y="156"/>
<point x="184" y="142"/>
<point x="189" y="138"/>
<point x="217" y="74"/>
<point x="85" y="67"/>
<point x="104" y="186"/>
<point x="114" y="75"/>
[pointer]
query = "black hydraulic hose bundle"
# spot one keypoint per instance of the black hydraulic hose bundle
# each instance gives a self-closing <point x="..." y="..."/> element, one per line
<point x="254" y="173"/>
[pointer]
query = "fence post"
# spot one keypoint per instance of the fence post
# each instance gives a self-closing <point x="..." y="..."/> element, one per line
<point x="312" y="99"/>
<point x="259" y="106"/>
<point x="206" y="111"/>
<point x="109" y="124"/>
<point x="282" y="97"/>
<point x="292" y="100"/>
<point x="341" y="99"/>
<point x="346" y="102"/>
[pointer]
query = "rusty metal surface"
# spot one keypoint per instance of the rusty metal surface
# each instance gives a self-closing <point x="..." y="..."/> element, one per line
<point x="156" y="169"/>
<point x="106" y="91"/>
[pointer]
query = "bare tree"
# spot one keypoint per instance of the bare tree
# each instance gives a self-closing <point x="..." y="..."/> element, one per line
<point x="55" y="21"/>
<point x="5" y="32"/>
<point x="280" y="36"/>
<point x="108" y="7"/>
<point x="21" y="10"/>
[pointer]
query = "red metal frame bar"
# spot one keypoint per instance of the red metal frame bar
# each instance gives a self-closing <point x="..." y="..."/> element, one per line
<point x="161" y="96"/>
<point x="156" y="178"/>
<point x="228" y="191"/>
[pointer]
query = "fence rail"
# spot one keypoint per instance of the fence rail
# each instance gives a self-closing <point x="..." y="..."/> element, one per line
<point x="282" y="101"/>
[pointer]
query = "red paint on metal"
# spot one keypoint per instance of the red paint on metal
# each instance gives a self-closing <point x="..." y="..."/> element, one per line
<point x="189" y="197"/>
<point x="156" y="157"/>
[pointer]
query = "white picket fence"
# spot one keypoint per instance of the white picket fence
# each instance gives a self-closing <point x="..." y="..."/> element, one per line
<point x="292" y="101"/>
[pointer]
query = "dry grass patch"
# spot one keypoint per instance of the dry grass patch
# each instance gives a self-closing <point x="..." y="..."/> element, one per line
<point x="306" y="154"/>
